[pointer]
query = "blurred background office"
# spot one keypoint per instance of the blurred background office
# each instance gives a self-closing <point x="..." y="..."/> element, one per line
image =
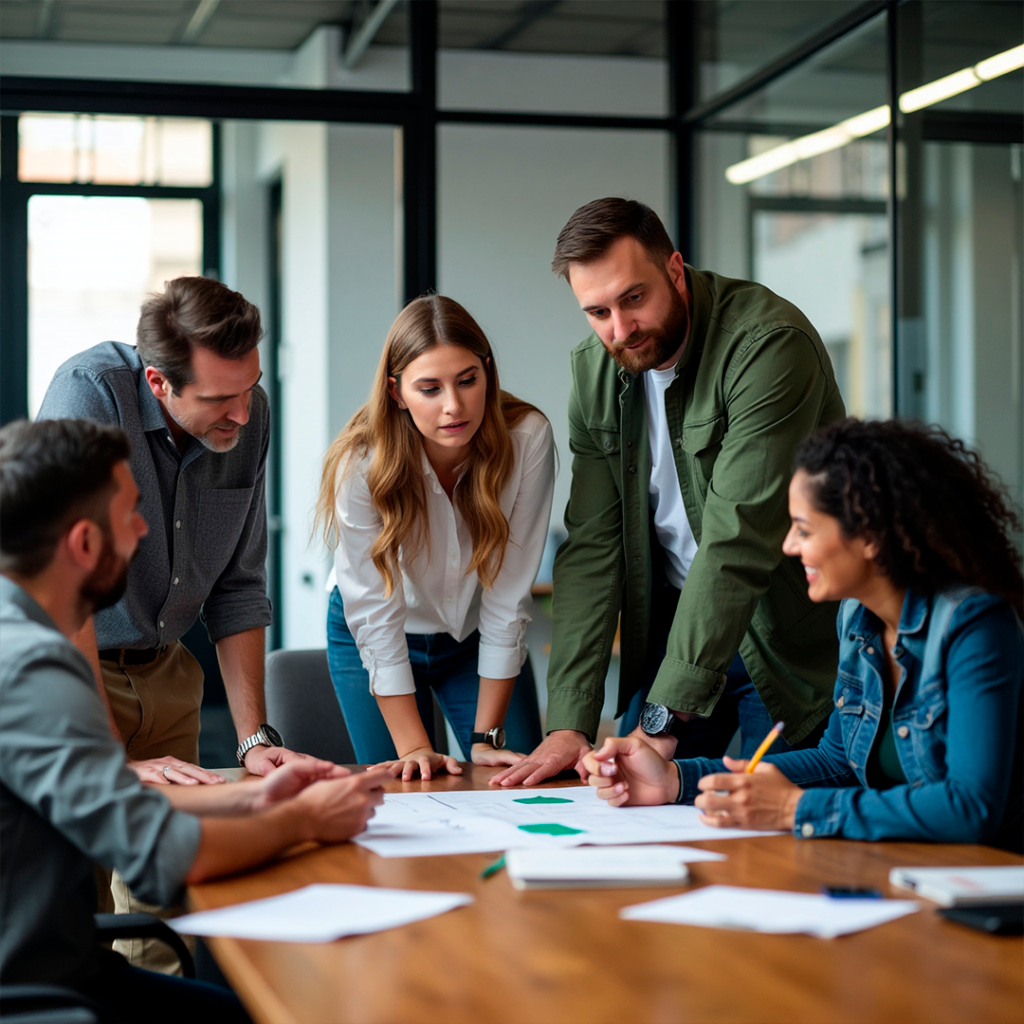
<point x="331" y="160"/>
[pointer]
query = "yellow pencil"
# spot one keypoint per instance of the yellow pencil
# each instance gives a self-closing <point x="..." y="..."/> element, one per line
<point x="775" y="731"/>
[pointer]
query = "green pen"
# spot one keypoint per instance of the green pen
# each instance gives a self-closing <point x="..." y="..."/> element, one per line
<point x="493" y="868"/>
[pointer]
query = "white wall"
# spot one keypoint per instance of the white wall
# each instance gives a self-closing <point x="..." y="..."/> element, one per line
<point x="504" y="194"/>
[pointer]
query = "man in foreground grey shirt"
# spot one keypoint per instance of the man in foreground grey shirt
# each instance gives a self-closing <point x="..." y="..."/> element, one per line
<point x="69" y="526"/>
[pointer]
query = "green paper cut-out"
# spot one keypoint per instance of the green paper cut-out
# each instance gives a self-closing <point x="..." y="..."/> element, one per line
<point x="551" y="830"/>
<point x="542" y="800"/>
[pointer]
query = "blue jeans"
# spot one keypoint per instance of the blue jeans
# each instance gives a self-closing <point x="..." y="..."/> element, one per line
<point x="441" y="667"/>
<point x="739" y="707"/>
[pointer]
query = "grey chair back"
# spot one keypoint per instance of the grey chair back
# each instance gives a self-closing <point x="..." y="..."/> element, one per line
<point x="303" y="707"/>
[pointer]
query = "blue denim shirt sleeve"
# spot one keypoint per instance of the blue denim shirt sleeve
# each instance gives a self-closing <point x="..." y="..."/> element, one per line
<point x="959" y="787"/>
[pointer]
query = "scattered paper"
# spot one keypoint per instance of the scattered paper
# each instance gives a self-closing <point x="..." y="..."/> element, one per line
<point x="482" y="821"/>
<point x="320" y="913"/>
<point x="771" y="911"/>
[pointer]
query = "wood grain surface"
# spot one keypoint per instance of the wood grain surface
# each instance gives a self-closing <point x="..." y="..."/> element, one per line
<point x="549" y="957"/>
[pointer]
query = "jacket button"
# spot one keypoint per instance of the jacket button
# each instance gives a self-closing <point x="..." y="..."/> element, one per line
<point x="869" y="650"/>
<point x="840" y="702"/>
<point x="608" y="445"/>
<point x="632" y="469"/>
<point x="897" y="651"/>
<point x="903" y="732"/>
<point x="807" y="830"/>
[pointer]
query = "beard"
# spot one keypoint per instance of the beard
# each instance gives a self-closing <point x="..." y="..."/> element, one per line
<point x="106" y="584"/>
<point x="207" y="436"/>
<point x="666" y="340"/>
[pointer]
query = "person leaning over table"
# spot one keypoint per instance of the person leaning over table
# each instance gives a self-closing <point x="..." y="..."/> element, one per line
<point x="687" y="404"/>
<point x="436" y="498"/>
<point x="69" y="526"/>
<point x="911" y="531"/>
<point x="189" y="398"/>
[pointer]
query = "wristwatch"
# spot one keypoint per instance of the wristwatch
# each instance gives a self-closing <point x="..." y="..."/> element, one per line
<point x="495" y="736"/>
<point x="264" y="736"/>
<point x="658" y="720"/>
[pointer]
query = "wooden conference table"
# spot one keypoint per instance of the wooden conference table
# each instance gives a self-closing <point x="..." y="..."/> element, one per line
<point x="547" y="957"/>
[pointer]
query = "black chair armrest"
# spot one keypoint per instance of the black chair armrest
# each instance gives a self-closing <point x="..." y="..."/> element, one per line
<point x="144" y="926"/>
<point x="46" y="1004"/>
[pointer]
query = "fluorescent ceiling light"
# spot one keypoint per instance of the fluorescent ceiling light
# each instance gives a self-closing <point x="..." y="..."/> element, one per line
<point x="939" y="90"/>
<point x="871" y="121"/>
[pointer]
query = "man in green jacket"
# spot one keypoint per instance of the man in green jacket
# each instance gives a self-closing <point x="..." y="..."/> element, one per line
<point x="687" y="404"/>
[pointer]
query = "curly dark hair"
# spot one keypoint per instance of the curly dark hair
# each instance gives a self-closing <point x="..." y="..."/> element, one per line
<point x="939" y="516"/>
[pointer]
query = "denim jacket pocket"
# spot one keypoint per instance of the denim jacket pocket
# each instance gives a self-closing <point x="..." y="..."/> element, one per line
<point x="927" y="723"/>
<point x="854" y="721"/>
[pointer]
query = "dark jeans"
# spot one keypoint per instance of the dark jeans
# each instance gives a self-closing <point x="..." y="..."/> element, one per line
<point x="131" y="995"/>
<point x="441" y="666"/>
<point x="740" y="706"/>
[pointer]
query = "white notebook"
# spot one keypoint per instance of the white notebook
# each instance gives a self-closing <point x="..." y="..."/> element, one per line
<point x="581" y="867"/>
<point x="960" y="887"/>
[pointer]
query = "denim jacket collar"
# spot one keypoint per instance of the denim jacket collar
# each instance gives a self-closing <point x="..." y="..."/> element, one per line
<point x="913" y="619"/>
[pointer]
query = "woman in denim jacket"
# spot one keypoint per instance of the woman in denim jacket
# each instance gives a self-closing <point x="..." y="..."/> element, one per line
<point x="925" y="739"/>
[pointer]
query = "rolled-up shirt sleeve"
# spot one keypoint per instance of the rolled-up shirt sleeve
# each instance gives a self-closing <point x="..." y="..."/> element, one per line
<point x="238" y="600"/>
<point x="376" y="621"/>
<point x="505" y="607"/>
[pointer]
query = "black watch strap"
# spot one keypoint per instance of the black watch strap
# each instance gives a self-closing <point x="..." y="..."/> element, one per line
<point x="495" y="737"/>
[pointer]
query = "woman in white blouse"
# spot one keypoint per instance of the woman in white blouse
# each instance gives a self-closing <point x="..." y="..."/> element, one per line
<point x="436" y="499"/>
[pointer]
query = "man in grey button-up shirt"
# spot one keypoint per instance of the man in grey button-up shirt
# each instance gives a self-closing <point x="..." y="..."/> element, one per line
<point x="189" y="399"/>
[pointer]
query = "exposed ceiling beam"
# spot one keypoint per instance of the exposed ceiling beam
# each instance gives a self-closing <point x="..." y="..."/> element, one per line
<point x="364" y="35"/>
<point x="531" y="11"/>
<point x="201" y="16"/>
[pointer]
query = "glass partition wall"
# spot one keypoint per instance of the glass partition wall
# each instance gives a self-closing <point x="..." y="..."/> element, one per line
<point x="450" y="148"/>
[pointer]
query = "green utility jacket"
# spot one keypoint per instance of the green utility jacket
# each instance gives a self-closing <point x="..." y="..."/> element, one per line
<point x="754" y="380"/>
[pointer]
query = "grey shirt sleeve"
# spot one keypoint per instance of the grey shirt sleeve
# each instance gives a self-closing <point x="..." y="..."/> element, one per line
<point x="238" y="600"/>
<point x="59" y="757"/>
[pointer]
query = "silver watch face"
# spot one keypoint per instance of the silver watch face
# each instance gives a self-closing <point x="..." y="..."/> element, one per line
<point x="497" y="738"/>
<point x="655" y="719"/>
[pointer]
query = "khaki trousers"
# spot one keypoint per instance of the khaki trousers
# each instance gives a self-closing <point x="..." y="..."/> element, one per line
<point x="156" y="708"/>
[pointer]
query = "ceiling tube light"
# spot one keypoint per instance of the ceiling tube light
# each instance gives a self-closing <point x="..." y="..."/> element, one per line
<point x="1001" y="63"/>
<point x="873" y="120"/>
<point x="939" y="90"/>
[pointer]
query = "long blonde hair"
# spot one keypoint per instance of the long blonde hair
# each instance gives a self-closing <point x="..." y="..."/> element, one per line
<point x="395" y="476"/>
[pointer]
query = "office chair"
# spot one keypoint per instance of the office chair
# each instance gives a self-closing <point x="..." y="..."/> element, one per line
<point x="55" y="1004"/>
<point x="303" y="707"/>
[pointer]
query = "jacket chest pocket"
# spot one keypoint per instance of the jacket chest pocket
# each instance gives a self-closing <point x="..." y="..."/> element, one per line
<point x="854" y="720"/>
<point x="927" y="731"/>
<point x="609" y="443"/>
<point x="702" y="442"/>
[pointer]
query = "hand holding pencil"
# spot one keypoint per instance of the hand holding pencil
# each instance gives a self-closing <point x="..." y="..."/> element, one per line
<point x="753" y="795"/>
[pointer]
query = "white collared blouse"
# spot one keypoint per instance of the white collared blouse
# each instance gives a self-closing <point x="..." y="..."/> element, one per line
<point x="436" y="594"/>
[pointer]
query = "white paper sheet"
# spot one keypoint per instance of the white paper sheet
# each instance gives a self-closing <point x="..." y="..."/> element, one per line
<point x="320" y="913"/>
<point x="769" y="910"/>
<point x="481" y="821"/>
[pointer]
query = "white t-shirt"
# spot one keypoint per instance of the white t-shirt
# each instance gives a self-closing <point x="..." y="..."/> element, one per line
<point x="434" y="594"/>
<point x="670" y="522"/>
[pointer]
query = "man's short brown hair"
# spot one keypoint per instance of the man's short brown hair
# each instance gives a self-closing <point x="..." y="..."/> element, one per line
<point x="195" y="312"/>
<point x="52" y="473"/>
<point x="591" y="230"/>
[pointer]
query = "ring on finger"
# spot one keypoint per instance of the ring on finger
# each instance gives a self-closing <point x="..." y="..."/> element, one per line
<point x="163" y="771"/>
